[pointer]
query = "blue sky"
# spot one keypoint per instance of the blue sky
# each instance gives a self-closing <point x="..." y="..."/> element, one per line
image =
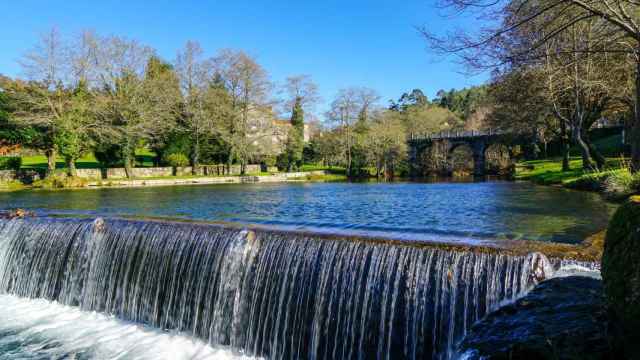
<point x="344" y="43"/>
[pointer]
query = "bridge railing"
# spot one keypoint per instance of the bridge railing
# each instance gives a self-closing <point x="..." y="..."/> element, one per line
<point x="455" y="134"/>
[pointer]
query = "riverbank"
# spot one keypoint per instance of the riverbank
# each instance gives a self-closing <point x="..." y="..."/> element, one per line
<point x="312" y="176"/>
<point x="209" y="180"/>
<point x="615" y="181"/>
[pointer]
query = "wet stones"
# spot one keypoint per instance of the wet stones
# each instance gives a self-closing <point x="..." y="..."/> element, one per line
<point x="621" y="276"/>
<point x="16" y="214"/>
<point x="99" y="225"/>
<point x="562" y="318"/>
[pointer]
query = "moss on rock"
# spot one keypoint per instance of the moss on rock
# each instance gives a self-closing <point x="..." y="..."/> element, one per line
<point x="621" y="276"/>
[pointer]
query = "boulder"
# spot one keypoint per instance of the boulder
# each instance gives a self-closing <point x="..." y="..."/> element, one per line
<point x="562" y="318"/>
<point x="621" y="277"/>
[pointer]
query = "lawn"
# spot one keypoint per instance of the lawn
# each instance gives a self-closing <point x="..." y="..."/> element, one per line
<point x="549" y="171"/>
<point x="144" y="158"/>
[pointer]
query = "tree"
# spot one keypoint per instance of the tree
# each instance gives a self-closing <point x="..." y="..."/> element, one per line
<point x="615" y="25"/>
<point x="137" y="98"/>
<point x="295" y="138"/>
<point x="345" y="111"/>
<point x="429" y="119"/>
<point x="385" y="143"/>
<point x="248" y="88"/>
<point x="44" y="102"/>
<point x="302" y="93"/>
<point x="366" y="99"/>
<point x="415" y="98"/>
<point x="195" y="82"/>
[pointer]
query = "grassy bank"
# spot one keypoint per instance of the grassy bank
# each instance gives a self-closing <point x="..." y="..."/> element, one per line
<point x="615" y="181"/>
<point x="144" y="158"/>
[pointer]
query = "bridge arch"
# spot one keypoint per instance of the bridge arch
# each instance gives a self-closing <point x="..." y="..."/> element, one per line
<point x="442" y="153"/>
<point x="461" y="159"/>
<point x="498" y="159"/>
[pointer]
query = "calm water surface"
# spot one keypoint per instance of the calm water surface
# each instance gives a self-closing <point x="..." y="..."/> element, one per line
<point x="486" y="210"/>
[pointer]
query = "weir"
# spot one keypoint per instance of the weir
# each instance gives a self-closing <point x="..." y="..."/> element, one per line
<point x="265" y="293"/>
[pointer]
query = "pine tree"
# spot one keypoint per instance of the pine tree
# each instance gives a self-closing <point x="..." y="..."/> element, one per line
<point x="295" y="141"/>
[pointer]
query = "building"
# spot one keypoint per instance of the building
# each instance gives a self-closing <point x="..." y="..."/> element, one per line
<point x="269" y="134"/>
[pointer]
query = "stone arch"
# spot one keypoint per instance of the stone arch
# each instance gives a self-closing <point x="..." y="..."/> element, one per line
<point x="462" y="159"/>
<point x="498" y="159"/>
<point x="434" y="158"/>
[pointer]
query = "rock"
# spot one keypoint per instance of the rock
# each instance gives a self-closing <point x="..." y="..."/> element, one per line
<point x="562" y="318"/>
<point x="621" y="277"/>
<point x="17" y="214"/>
<point x="99" y="225"/>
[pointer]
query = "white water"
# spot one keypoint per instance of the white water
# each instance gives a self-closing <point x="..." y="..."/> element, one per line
<point x="40" y="329"/>
<point x="280" y="295"/>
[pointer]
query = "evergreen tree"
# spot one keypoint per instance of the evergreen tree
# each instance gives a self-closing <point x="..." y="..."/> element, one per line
<point x="295" y="141"/>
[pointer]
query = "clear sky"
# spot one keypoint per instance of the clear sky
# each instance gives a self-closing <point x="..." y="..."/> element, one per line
<point x="340" y="43"/>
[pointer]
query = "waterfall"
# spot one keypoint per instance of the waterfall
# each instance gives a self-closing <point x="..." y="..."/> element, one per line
<point x="266" y="293"/>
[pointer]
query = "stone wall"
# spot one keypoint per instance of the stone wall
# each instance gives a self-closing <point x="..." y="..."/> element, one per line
<point x="29" y="176"/>
<point x="89" y="174"/>
<point x="7" y="175"/>
<point x="119" y="173"/>
<point x="26" y="176"/>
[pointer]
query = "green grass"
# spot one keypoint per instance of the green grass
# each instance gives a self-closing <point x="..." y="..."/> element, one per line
<point x="144" y="158"/>
<point x="329" y="169"/>
<point x="549" y="171"/>
<point x="13" y="185"/>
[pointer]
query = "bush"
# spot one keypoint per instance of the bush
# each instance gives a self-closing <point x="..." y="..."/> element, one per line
<point x="177" y="160"/>
<point x="621" y="277"/>
<point x="595" y="181"/>
<point x="10" y="163"/>
<point x="620" y="183"/>
<point x="11" y="185"/>
<point x="60" y="181"/>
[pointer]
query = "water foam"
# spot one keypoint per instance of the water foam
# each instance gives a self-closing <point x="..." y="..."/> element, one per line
<point x="39" y="329"/>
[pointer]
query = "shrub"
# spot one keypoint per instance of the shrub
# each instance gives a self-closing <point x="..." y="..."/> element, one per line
<point x="10" y="163"/>
<point x="60" y="181"/>
<point x="619" y="184"/>
<point x="177" y="160"/>
<point x="11" y="185"/>
<point x="590" y="182"/>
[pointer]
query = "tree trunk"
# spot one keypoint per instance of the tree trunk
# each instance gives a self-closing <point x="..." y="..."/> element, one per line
<point x="566" y="146"/>
<point x="128" y="163"/>
<point x="196" y="157"/>
<point x="51" y="161"/>
<point x="597" y="156"/>
<point x="587" y="164"/>
<point x="635" y="127"/>
<point x="71" y="166"/>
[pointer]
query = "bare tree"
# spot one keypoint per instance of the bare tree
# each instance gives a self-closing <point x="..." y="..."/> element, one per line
<point x="367" y="100"/>
<point x="249" y="88"/>
<point x="344" y="111"/>
<point x="42" y="103"/>
<point x="615" y="24"/>
<point x="136" y="99"/>
<point x="386" y="143"/>
<point x="302" y="89"/>
<point x="194" y="82"/>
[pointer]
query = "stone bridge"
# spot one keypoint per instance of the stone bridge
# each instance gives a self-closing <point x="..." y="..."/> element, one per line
<point x="472" y="152"/>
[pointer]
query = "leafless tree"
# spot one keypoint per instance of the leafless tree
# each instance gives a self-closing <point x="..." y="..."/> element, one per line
<point x="249" y="89"/>
<point x="137" y="102"/>
<point x="614" y="28"/>
<point x="344" y="111"/>
<point x="301" y="88"/>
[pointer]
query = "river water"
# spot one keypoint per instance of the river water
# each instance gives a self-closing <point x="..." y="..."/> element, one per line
<point x="414" y="211"/>
<point x="134" y="289"/>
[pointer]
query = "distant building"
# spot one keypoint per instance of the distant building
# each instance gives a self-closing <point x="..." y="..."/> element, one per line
<point x="269" y="134"/>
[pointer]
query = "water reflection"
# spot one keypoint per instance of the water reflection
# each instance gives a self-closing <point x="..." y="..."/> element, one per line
<point x="491" y="210"/>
